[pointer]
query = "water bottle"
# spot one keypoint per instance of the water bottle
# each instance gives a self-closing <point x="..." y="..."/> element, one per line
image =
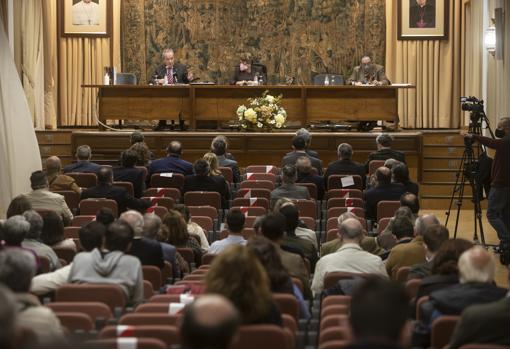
<point x="165" y="82"/>
<point x="256" y="79"/>
<point x="333" y="80"/>
<point x="326" y="81"/>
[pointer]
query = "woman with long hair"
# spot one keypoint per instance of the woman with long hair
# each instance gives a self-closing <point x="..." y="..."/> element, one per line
<point x="214" y="167"/>
<point x="175" y="230"/>
<point x="52" y="233"/>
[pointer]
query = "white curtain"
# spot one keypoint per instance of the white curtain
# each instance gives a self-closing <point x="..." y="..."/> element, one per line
<point x="19" y="152"/>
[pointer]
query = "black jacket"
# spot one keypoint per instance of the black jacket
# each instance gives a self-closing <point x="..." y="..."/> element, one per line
<point x="372" y="196"/>
<point x="317" y="180"/>
<point x="133" y="175"/>
<point x="82" y="166"/>
<point x="291" y="158"/>
<point x="180" y="73"/>
<point x="120" y="195"/>
<point x="345" y="167"/>
<point x="385" y="154"/>
<point x="149" y="252"/>
<point x="208" y="183"/>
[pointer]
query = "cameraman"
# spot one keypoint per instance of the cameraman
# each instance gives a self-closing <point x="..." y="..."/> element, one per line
<point x="498" y="210"/>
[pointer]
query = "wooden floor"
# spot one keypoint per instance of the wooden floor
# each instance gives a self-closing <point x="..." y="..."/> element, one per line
<point x="465" y="230"/>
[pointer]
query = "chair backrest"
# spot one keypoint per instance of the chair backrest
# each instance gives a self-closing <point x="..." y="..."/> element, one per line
<point x="333" y="79"/>
<point x="336" y="320"/>
<point x="345" y="182"/>
<point x="120" y="343"/>
<point x="71" y="232"/>
<point x="173" y="193"/>
<point x="257" y="184"/>
<point x="203" y="211"/>
<point x="204" y="222"/>
<point x="187" y="254"/>
<point x="331" y="234"/>
<point x="65" y="253"/>
<point x="382" y="224"/>
<point x="227" y="173"/>
<point x="152" y="274"/>
<point x="199" y="198"/>
<point x="386" y="209"/>
<point x="95" y="310"/>
<point x="207" y="258"/>
<point x="344" y="193"/>
<point x="263" y="169"/>
<point x="254" y="193"/>
<point x="374" y="165"/>
<point x="337" y="211"/>
<point x="160" y="211"/>
<point x="250" y="210"/>
<point x="125" y="185"/>
<point x="148" y="290"/>
<point x="442" y="330"/>
<point x="342" y="309"/>
<point x="84" y="179"/>
<point x="75" y="321"/>
<point x="287" y="304"/>
<point x="251" y="202"/>
<point x="161" y="201"/>
<point x="402" y="273"/>
<point x="330" y="334"/>
<point x="167" y="180"/>
<point x="81" y="220"/>
<point x="149" y="319"/>
<point x="158" y="308"/>
<point x="419" y="303"/>
<point x="344" y="202"/>
<point x="256" y="176"/>
<point x="109" y="294"/>
<point x="336" y="300"/>
<point x="412" y="287"/>
<point x="334" y="344"/>
<point x="307" y="208"/>
<point x="310" y="222"/>
<point x="167" y="334"/>
<point x="312" y="189"/>
<point x="260" y="336"/>
<point x="72" y="198"/>
<point x="125" y="79"/>
<point x="91" y="206"/>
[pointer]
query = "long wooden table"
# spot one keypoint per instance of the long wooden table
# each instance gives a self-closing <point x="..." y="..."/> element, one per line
<point x="304" y="104"/>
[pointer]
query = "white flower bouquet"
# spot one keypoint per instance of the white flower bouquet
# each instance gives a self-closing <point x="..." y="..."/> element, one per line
<point x="262" y="113"/>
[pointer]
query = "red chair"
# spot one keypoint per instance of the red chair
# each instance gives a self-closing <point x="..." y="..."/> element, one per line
<point x="152" y="274"/>
<point x="111" y="295"/>
<point x="312" y="189"/>
<point x="187" y="254"/>
<point x="339" y="309"/>
<point x="254" y="176"/>
<point x="374" y="165"/>
<point x="412" y="287"/>
<point x="310" y="222"/>
<point x="337" y="211"/>
<point x="167" y="180"/>
<point x="141" y="318"/>
<point x="336" y="320"/>
<point x="84" y="180"/>
<point x="332" y="234"/>
<point x="131" y="343"/>
<point x="227" y="173"/>
<point x="250" y="210"/>
<point x="257" y="184"/>
<point x="287" y="304"/>
<point x="336" y="300"/>
<point x="203" y="198"/>
<point x="307" y="208"/>
<point x="203" y="211"/>
<point x="173" y="193"/>
<point x="331" y="334"/>
<point x="167" y="334"/>
<point x="91" y="206"/>
<point x="260" y="336"/>
<point x="334" y="344"/>
<point x="207" y="258"/>
<point x="204" y="222"/>
<point x="125" y="185"/>
<point x="402" y="274"/>
<point x="253" y="193"/>
<point x="161" y="201"/>
<point x="340" y="182"/>
<point x="386" y="209"/>
<point x="75" y="321"/>
<point x="442" y="330"/>
<point x="345" y="202"/>
<point x="251" y="202"/>
<point x="71" y="232"/>
<point x="94" y="310"/>
<point x="263" y="169"/>
<point x="148" y="291"/>
<point x="81" y="220"/>
<point x="382" y="224"/>
<point x="72" y="199"/>
<point x="344" y="193"/>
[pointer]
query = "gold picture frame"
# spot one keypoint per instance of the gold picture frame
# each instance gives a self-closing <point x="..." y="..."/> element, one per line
<point x="423" y="19"/>
<point x="82" y="18"/>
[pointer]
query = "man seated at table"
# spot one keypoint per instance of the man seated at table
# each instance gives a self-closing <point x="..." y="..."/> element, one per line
<point x="246" y="71"/>
<point x="368" y="73"/>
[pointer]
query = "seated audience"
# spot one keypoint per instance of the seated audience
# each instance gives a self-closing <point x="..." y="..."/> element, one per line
<point x="176" y="231"/>
<point x="214" y="167"/>
<point x="383" y="190"/>
<point x="349" y="258"/>
<point x="246" y="285"/>
<point x="172" y="163"/>
<point x="211" y="322"/>
<point x="433" y="238"/>
<point x="384" y="151"/>
<point x="127" y="172"/>
<point x="33" y="242"/>
<point x="219" y="147"/>
<point x="222" y="138"/>
<point x="106" y="189"/>
<point x="13" y="232"/>
<point x="18" y="269"/>
<point x="148" y="251"/>
<point x="152" y="231"/>
<point x="299" y="149"/>
<point x="409" y="207"/>
<point x="111" y="265"/>
<point x="41" y="198"/>
<point x="105" y="216"/>
<point x="345" y="165"/>
<point x="8" y="320"/>
<point x="288" y="189"/>
<point x="18" y="206"/>
<point x="302" y="239"/>
<point x="83" y="163"/>
<point x="400" y="174"/>
<point x="235" y="225"/>
<point x="56" y="179"/>
<point x="193" y="228"/>
<point x="305" y="175"/>
<point x="91" y="236"/>
<point x="376" y="323"/>
<point x="138" y="145"/>
<point x="202" y="181"/>
<point x="307" y="136"/>
<point x="389" y="163"/>
<point x="52" y="233"/>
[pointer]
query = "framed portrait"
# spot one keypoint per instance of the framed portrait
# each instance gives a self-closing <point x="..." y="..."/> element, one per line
<point x="85" y="17"/>
<point x="423" y="19"/>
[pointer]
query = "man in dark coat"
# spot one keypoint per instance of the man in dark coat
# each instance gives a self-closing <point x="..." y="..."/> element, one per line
<point x="344" y="165"/>
<point x="202" y="181"/>
<point x="129" y="173"/>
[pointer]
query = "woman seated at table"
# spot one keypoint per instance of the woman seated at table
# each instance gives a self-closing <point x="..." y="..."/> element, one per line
<point x="246" y="72"/>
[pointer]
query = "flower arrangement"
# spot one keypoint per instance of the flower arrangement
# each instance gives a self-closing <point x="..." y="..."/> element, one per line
<point x="262" y="113"/>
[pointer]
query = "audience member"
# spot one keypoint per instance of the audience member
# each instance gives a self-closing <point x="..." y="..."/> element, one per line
<point x="307" y="136"/>
<point x="41" y="198"/>
<point x="106" y="189"/>
<point x="193" y="228"/>
<point x="297" y="237"/>
<point x="176" y="231"/>
<point x="138" y="145"/>
<point x="18" y="269"/>
<point x="83" y="163"/>
<point x="152" y="231"/>
<point x="14" y="231"/>
<point x="246" y="284"/>
<point x="113" y="265"/>
<point x="214" y="167"/>
<point x="389" y="163"/>
<point x="33" y="242"/>
<point x="384" y="190"/>
<point x="349" y="258"/>
<point x="306" y="175"/>
<point x="172" y="163"/>
<point x="433" y="238"/>
<point x="148" y="251"/>
<point x="202" y="181"/>
<point x="299" y="149"/>
<point x="411" y="200"/>
<point x="209" y="322"/>
<point x="222" y="138"/>
<point x="235" y="225"/>
<point x="8" y="319"/>
<point x="288" y="189"/>
<point x="105" y="216"/>
<point x="378" y="316"/>
<point x="127" y="172"/>
<point x="400" y="174"/>
<point x="56" y="179"/>
<point x="219" y="147"/>
<point x="384" y="151"/>
<point x="52" y="233"/>
<point x="345" y="165"/>
<point x="18" y="206"/>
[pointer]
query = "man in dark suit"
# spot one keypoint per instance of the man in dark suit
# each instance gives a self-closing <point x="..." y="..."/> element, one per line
<point x="129" y="173"/>
<point x="83" y="163"/>
<point x="368" y="73"/>
<point x="288" y="189"/>
<point x="303" y="132"/>
<point x="172" y="163"/>
<point x="105" y="189"/>
<point x="202" y="181"/>
<point x="422" y="15"/>
<point x="299" y="149"/>
<point x="384" y="190"/>
<point x="246" y="71"/>
<point x="219" y="147"/>
<point x="384" y="151"/>
<point x="305" y="175"/>
<point x="344" y="165"/>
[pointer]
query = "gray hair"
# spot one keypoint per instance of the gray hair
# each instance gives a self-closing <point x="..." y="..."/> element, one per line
<point x="83" y="152"/>
<point x="36" y="224"/>
<point x="165" y="51"/>
<point x="151" y="225"/>
<point x="476" y="265"/>
<point x="135" y="221"/>
<point x="351" y="228"/>
<point x="7" y="317"/>
<point x="423" y="222"/>
<point x="344" y="151"/>
<point x="305" y="134"/>
<point x="384" y="139"/>
<point x="18" y="269"/>
<point x="345" y="216"/>
<point x="15" y="229"/>
<point x="389" y="163"/>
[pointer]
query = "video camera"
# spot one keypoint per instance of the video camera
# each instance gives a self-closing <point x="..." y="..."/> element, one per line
<point x="471" y="104"/>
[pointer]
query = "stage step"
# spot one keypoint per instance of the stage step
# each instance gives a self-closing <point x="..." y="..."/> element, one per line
<point x="442" y="202"/>
<point x="55" y="143"/>
<point x="443" y="151"/>
<point x="439" y="175"/>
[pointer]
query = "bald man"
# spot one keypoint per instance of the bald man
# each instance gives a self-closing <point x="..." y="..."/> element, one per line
<point x="209" y="322"/>
<point x="56" y="179"/>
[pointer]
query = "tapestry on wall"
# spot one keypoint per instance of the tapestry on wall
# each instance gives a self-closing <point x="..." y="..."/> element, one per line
<point x="293" y="38"/>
